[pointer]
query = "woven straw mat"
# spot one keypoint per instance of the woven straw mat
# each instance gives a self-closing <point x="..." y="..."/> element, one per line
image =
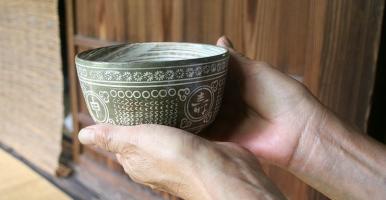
<point x="31" y="88"/>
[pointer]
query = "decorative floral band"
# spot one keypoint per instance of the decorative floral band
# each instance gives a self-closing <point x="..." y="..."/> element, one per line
<point x="151" y="75"/>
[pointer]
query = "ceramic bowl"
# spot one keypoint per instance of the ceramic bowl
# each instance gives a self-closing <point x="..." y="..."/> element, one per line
<point x="174" y="84"/>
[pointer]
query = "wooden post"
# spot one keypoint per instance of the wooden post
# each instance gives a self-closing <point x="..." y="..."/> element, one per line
<point x="73" y="78"/>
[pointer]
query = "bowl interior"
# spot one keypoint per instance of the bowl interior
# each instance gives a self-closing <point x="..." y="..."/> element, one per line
<point x="152" y="52"/>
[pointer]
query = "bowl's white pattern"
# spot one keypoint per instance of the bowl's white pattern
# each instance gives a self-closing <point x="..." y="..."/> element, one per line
<point x="184" y="96"/>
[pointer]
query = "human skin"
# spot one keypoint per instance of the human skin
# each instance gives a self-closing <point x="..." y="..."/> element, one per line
<point x="180" y="163"/>
<point x="264" y="112"/>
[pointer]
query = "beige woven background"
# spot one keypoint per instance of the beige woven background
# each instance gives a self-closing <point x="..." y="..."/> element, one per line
<point x="31" y="89"/>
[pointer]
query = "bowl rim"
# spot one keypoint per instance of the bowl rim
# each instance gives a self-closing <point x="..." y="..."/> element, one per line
<point x="143" y="64"/>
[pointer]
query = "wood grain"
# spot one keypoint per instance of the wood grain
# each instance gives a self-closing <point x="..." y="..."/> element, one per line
<point x="109" y="184"/>
<point x="331" y="45"/>
<point x="90" y="43"/>
<point x="72" y="77"/>
<point x="349" y="59"/>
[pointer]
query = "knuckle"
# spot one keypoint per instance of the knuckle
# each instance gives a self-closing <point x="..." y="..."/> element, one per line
<point x="302" y="91"/>
<point x="234" y="149"/>
<point x="231" y="146"/>
<point x="187" y="146"/>
<point x="139" y="168"/>
<point x="127" y="167"/>
<point x="136" y="175"/>
<point x="262" y="64"/>
<point x="256" y="68"/>
<point x="104" y="137"/>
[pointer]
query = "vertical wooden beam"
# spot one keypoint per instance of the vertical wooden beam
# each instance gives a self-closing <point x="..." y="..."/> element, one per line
<point x="349" y="56"/>
<point x="72" y="76"/>
<point x="314" y="45"/>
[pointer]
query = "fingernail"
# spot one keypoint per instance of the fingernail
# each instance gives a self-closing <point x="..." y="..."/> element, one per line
<point x="86" y="136"/>
<point x="226" y="42"/>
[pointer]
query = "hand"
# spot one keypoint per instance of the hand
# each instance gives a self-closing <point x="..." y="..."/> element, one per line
<point x="264" y="110"/>
<point x="278" y="119"/>
<point x="183" y="164"/>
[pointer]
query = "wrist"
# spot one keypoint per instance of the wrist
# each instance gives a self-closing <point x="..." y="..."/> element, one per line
<point x="309" y="142"/>
<point x="334" y="155"/>
<point x="232" y="169"/>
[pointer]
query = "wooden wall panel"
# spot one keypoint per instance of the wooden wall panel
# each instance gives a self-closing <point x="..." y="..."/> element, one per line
<point x="352" y="35"/>
<point x="330" y="45"/>
<point x="273" y="31"/>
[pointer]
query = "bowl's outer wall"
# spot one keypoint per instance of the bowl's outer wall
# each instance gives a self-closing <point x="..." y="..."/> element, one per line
<point x="187" y="97"/>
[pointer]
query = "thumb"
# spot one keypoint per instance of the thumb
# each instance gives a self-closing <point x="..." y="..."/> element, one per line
<point x="108" y="137"/>
<point x="237" y="56"/>
<point x="223" y="41"/>
<point x="238" y="61"/>
<point x="118" y="139"/>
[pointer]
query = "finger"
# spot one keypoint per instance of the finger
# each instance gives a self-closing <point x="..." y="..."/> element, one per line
<point x="118" y="139"/>
<point x="111" y="138"/>
<point x="239" y="63"/>
<point x="224" y="42"/>
<point x="119" y="158"/>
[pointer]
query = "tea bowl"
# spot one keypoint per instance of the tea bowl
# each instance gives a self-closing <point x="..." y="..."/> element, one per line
<point x="171" y="83"/>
